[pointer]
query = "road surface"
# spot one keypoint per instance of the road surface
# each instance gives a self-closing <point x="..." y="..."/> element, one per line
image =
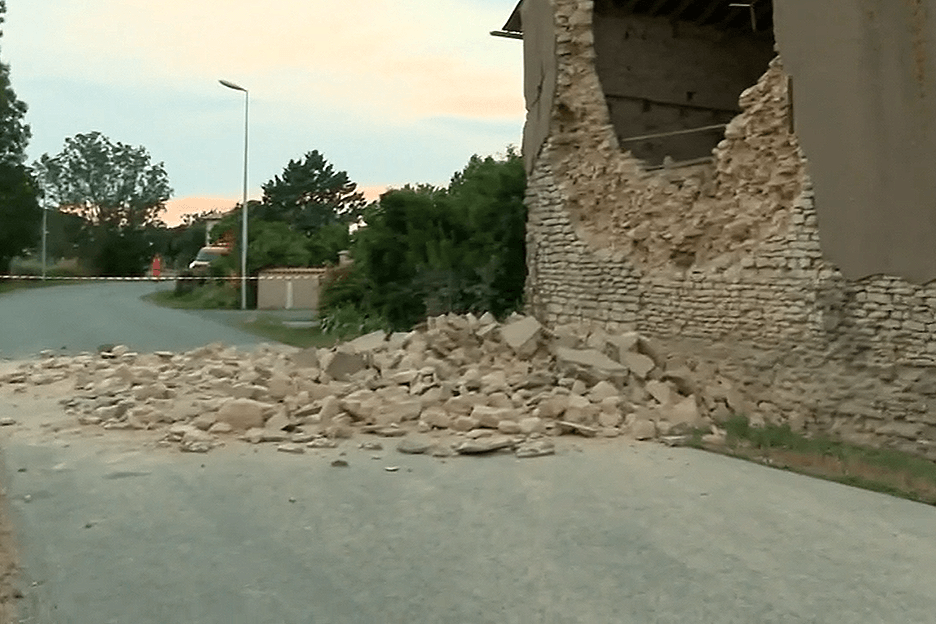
<point x="81" y="317"/>
<point x="113" y="529"/>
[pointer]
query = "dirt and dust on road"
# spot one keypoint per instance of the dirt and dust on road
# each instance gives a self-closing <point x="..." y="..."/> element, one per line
<point x="456" y="386"/>
<point x="9" y="590"/>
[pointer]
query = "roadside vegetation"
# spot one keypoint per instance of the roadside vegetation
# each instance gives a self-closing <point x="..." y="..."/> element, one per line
<point x="881" y="470"/>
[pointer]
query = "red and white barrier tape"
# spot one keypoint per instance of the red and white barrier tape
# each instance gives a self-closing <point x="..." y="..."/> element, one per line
<point x="231" y="278"/>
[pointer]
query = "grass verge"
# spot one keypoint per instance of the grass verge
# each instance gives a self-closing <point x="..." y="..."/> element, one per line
<point x="303" y="338"/>
<point x="209" y="297"/>
<point x="882" y="470"/>
<point x="12" y="285"/>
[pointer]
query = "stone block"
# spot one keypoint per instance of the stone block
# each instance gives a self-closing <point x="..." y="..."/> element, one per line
<point x="643" y="429"/>
<point x="369" y="342"/>
<point x="437" y="417"/>
<point x="464" y="423"/>
<point x="340" y="365"/>
<point x="638" y="363"/>
<point x="601" y="391"/>
<point x="590" y="363"/>
<point x="522" y="336"/>
<point x="242" y="414"/>
<point x="660" y="391"/>
<point x="487" y="416"/>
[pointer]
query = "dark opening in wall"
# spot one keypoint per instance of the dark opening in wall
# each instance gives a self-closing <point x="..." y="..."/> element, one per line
<point x="672" y="70"/>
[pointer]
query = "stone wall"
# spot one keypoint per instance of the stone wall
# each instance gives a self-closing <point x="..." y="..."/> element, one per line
<point x="723" y="265"/>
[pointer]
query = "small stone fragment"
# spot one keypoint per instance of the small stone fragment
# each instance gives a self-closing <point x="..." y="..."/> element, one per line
<point x="339" y="463"/>
<point x="483" y="445"/>
<point x="290" y="447"/>
<point x="414" y="446"/>
<point x="535" y="448"/>
<point x="584" y="430"/>
<point x="322" y="442"/>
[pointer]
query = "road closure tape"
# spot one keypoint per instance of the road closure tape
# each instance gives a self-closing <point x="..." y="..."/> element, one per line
<point x="231" y="278"/>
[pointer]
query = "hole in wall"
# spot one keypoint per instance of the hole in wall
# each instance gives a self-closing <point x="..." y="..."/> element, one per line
<point x="680" y="85"/>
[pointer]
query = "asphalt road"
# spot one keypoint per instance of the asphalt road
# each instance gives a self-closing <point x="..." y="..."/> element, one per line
<point x="76" y="318"/>
<point x="112" y="530"/>
<point x="618" y="532"/>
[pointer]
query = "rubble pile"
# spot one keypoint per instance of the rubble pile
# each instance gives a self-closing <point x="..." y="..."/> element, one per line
<point x="468" y="385"/>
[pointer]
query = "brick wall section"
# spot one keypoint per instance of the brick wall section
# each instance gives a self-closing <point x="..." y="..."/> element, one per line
<point x="725" y="268"/>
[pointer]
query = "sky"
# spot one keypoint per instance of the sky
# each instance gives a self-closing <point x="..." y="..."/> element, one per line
<point x="391" y="91"/>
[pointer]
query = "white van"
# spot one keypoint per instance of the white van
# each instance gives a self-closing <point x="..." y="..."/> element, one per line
<point x="205" y="257"/>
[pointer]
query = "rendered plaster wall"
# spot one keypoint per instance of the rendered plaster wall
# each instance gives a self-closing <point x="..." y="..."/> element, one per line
<point x="864" y="75"/>
<point x="724" y="262"/>
<point x="539" y="75"/>
<point x="660" y="76"/>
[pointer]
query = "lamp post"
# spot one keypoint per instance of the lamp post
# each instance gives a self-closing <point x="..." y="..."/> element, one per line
<point x="45" y="233"/>
<point x="231" y="85"/>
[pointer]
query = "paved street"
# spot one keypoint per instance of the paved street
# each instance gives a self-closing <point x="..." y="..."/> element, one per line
<point x="81" y="317"/>
<point x="113" y="529"/>
<point x="616" y="533"/>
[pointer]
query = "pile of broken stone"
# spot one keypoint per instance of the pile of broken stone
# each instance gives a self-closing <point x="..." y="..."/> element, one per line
<point x="459" y="384"/>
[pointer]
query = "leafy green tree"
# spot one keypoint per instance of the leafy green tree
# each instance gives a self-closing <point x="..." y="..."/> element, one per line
<point x="326" y="242"/>
<point x="427" y="251"/>
<point x="20" y="215"/>
<point x="309" y="194"/>
<point x="117" y="191"/>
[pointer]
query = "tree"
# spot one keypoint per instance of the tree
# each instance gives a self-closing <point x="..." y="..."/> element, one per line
<point x="117" y="191"/>
<point x="309" y="194"/>
<point x="20" y="215"/>
<point x="427" y="251"/>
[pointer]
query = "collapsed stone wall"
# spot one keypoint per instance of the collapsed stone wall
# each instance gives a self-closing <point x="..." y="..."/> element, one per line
<point x="724" y="256"/>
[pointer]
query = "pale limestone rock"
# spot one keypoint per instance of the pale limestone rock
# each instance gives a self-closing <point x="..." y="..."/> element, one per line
<point x="610" y="419"/>
<point x="202" y="421"/>
<point x="331" y="408"/>
<point x="535" y="448"/>
<point x="306" y="358"/>
<point x="464" y="423"/>
<point x="495" y="381"/>
<point x="685" y="412"/>
<point x="522" y="336"/>
<point x="554" y="406"/>
<point x="277" y="422"/>
<point x="484" y="445"/>
<point x="436" y="417"/>
<point x="643" y="429"/>
<point x="290" y="447"/>
<point x="660" y="391"/>
<point x="490" y="417"/>
<point x="458" y="406"/>
<point x="369" y="342"/>
<point x="340" y="365"/>
<point x="603" y="390"/>
<point x="220" y="427"/>
<point x="279" y="386"/>
<point x="242" y="414"/>
<point x="616" y="346"/>
<point x="639" y="364"/>
<point x="508" y="427"/>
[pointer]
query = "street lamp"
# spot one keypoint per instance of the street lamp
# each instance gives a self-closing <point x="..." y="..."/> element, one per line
<point x="45" y="234"/>
<point x="231" y="85"/>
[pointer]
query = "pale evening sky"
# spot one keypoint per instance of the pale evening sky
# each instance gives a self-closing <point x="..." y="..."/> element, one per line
<point x="391" y="91"/>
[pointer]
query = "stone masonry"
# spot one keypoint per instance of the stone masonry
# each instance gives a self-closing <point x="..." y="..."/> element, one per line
<point x="455" y="385"/>
<point x="723" y="261"/>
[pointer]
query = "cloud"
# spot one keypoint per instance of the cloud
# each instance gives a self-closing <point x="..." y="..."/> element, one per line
<point x="401" y="59"/>
<point x="176" y="208"/>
